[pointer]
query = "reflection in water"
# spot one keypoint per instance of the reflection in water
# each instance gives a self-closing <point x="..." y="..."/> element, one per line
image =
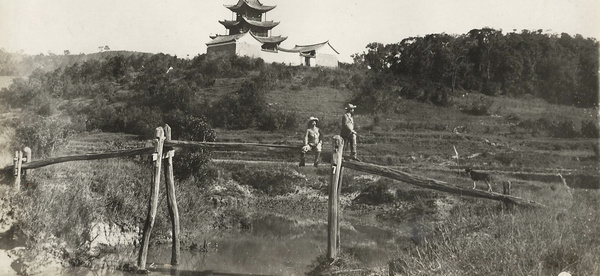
<point x="273" y="246"/>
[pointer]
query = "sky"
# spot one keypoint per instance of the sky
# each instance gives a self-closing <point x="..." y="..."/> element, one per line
<point x="183" y="27"/>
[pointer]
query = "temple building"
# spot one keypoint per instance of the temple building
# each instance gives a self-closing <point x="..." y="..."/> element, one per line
<point x="249" y="34"/>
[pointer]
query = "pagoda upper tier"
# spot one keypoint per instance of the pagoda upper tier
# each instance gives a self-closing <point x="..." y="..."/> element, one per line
<point x="249" y="5"/>
<point x="244" y="24"/>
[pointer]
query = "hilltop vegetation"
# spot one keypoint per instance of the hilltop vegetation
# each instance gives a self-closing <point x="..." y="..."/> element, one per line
<point x="561" y="69"/>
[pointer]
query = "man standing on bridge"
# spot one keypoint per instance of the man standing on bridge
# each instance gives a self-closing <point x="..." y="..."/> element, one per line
<point x="348" y="133"/>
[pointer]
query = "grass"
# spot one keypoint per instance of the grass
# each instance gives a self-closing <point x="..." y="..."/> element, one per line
<point x="478" y="239"/>
<point x="463" y="237"/>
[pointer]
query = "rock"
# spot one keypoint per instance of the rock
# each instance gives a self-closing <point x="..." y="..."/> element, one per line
<point x="104" y="234"/>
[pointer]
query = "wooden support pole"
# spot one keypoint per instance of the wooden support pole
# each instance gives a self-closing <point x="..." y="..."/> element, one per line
<point x="333" y="220"/>
<point x="172" y="200"/>
<point x="153" y="202"/>
<point x="27" y="159"/>
<point x="457" y="161"/>
<point x="339" y="216"/>
<point x="18" y="161"/>
<point x="506" y="185"/>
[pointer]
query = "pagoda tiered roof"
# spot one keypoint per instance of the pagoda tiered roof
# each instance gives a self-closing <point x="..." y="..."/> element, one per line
<point x="270" y="39"/>
<point x="262" y="24"/>
<point x="218" y="39"/>
<point x="250" y="4"/>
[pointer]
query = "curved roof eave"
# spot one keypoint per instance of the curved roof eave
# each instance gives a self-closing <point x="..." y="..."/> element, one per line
<point x="229" y="23"/>
<point x="271" y="39"/>
<point x="313" y="47"/>
<point x="219" y="39"/>
<point x="263" y="24"/>
<point x="252" y="4"/>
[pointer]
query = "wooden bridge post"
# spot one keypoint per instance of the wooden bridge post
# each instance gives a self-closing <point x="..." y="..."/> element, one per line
<point x="153" y="202"/>
<point x="172" y="200"/>
<point x="333" y="219"/>
<point x="18" y="161"/>
<point x="27" y="159"/>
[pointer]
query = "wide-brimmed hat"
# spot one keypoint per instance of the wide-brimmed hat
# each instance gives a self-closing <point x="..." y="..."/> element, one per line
<point x="313" y="119"/>
<point x="350" y="106"/>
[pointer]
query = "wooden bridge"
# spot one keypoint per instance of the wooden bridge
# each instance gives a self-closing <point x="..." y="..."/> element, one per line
<point x="163" y="149"/>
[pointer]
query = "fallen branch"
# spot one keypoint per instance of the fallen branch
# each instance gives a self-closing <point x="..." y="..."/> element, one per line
<point x="435" y="184"/>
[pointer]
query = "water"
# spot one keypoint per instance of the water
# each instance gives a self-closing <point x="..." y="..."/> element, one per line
<point x="274" y="245"/>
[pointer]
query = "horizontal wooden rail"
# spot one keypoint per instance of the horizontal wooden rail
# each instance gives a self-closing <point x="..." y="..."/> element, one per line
<point x="89" y="156"/>
<point x="246" y="147"/>
<point x="233" y="146"/>
<point x="249" y="147"/>
<point x="435" y="184"/>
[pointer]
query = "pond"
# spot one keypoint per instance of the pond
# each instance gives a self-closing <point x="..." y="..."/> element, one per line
<point x="274" y="245"/>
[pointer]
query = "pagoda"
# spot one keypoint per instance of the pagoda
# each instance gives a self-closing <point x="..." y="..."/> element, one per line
<point x="249" y="34"/>
<point x="250" y="18"/>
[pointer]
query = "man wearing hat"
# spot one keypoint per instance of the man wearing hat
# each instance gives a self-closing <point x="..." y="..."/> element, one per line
<point x="313" y="140"/>
<point x="348" y="132"/>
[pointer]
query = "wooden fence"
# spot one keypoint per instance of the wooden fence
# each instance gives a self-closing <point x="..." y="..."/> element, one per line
<point x="163" y="149"/>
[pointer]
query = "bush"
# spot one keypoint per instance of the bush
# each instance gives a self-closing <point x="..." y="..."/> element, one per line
<point x="191" y="163"/>
<point x="241" y="110"/>
<point x="68" y="209"/>
<point x="479" y="107"/>
<point x="43" y="135"/>
<point x="590" y="129"/>
<point x="189" y="127"/>
<point x="272" y="182"/>
<point x="273" y="120"/>
<point x="564" y="129"/>
<point x="379" y="193"/>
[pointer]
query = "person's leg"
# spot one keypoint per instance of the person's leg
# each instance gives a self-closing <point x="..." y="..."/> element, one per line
<point x="302" y="159"/>
<point x="346" y="144"/>
<point x="352" y="142"/>
<point x="318" y="149"/>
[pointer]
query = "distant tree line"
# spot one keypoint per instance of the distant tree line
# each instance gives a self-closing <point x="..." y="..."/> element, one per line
<point x="561" y="69"/>
<point x="135" y="92"/>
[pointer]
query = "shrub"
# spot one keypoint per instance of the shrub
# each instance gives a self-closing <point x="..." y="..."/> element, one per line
<point x="564" y="129"/>
<point x="479" y="107"/>
<point x="277" y="120"/>
<point x="241" y="110"/>
<point x="590" y="129"/>
<point x="506" y="158"/>
<point x="379" y="193"/>
<point x="43" y="135"/>
<point x="271" y="182"/>
<point x="190" y="127"/>
<point x="191" y="162"/>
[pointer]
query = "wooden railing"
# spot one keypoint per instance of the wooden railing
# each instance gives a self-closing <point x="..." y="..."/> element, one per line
<point x="163" y="148"/>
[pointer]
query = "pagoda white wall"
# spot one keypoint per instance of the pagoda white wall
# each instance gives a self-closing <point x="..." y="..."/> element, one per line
<point x="326" y="60"/>
<point x="326" y="57"/>
<point x="248" y="46"/>
<point x="228" y="48"/>
<point x="287" y="58"/>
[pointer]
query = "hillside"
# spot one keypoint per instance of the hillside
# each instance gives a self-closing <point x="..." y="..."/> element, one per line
<point x="242" y="98"/>
<point x="388" y="226"/>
